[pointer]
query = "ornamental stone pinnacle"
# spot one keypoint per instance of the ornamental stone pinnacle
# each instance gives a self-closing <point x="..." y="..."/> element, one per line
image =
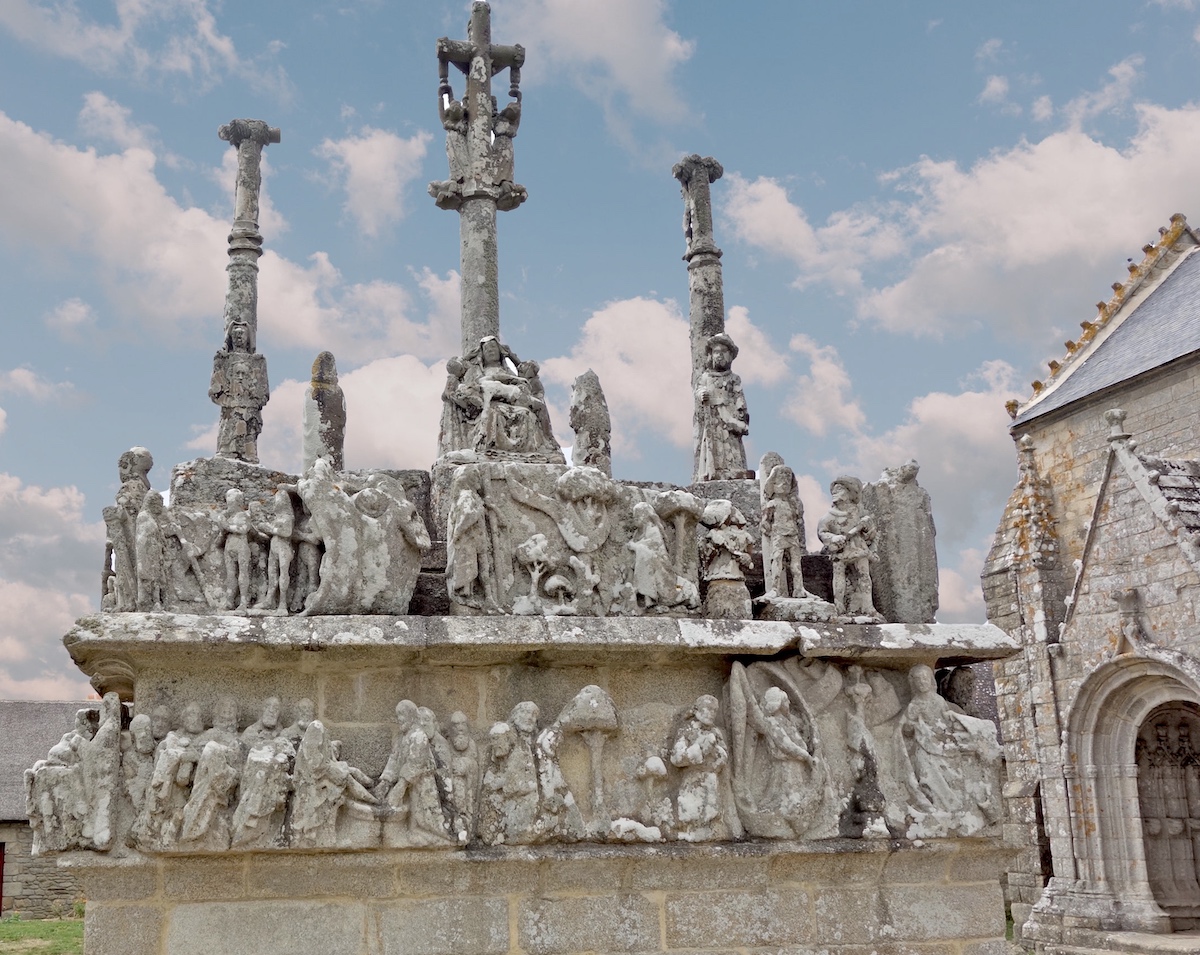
<point x="239" y="379"/>
<point x="479" y="148"/>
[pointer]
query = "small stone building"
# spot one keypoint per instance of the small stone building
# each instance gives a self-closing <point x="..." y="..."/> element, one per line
<point x="31" y="887"/>
<point x="1095" y="570"/>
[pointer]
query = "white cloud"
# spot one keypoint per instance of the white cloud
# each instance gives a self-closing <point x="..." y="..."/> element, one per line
<point x="393" y="406"/>
<point x="34" y="665"/>
<point x="960" y="597"/>
<point x="620" y="53"/>
<point x="186" y="44"/>
<point x="989" y="51"/>
<point x="961" y="441"/>
<point x="375" y="168"/>
<point x="760" y="361"/>
<point x="3" y="420"/>
<point x="107" y="120"/>
<point x="1008" y="241"/>
<point x="824" y="397"/>
<point x="763" y="215"/>
<point x="29" y="384"/>
<point x="1113" y="95"/>
<point x="73" y="320"/>
<point x="164" y="263"/>
<point x="639" y="349"/>
<point x="995" y="90"/>
<point x="1042" y="109"/>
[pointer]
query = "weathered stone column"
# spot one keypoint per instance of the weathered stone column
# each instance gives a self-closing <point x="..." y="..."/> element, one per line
<point x="239" y="379"/>
<point x="706" y="293"/>
<point x="480" y="153"/>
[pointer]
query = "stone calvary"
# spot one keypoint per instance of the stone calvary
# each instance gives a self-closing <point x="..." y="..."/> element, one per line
<point x="514" y="703"/>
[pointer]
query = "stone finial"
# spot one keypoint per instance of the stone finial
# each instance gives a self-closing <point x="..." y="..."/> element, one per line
<point x="237" y="131"/>
<point x="1116" y="424"/>
<point x="324" y="415"/>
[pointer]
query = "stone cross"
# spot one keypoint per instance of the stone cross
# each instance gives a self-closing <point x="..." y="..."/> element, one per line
<point x="239" y="379"/>
<point x="707" y="305"/>
<point x="480" y="150"/>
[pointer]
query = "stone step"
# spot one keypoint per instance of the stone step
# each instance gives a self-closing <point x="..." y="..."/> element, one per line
<point x="1136" y="943"/>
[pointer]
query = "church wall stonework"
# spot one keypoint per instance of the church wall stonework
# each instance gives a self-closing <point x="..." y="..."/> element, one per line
<point x="35" y="887"/>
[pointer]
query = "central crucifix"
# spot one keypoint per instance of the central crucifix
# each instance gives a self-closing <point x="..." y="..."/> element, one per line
<point x="480" y="149"/>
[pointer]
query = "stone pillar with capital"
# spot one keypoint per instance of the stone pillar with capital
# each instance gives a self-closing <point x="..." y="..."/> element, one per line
<point x="703" y="258"/>
<point x="239" y="378"/>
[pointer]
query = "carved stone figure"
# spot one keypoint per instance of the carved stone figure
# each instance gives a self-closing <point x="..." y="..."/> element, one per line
<point x="151" y="551"/>
<point x="393" y="546"/>
<point x="471" y="575"/>
<point x="158" y="826"/>
<point x="700" y="753"/>
<point x="847" y="532"/>
<point x="558" y="817"/>
<point x="725" y="557"/>
<point x="239" y="385"/>
<point x="905" y="576"/>
<point x="324" y="415"/>
<point x="782" y="527"/>
<point x="865" y="808"/>
<point x="656" y="585"/>
<point x="722" y="419"/>
<point x="510" y="413"/>
<point x="306" y="712"/>
<point x="458" y="412"/>
<point x="334" y="518"/>
<point x="137" y="764"/>
<point x="464" y="775"/>
<point x="779" y="776"/>
<point x="278" y="527"/>
<point x="266" y="727"/>
<point x="509" y="794"/>
<point x="120" y="553"/>
<point x="263" y="791"/>
<point x="951" y="761"/>
<point x="590" y="421"/>
<point x="308" y="562"/>
<point x="324" y="785"/>
<point x="408" y="787"/>
<point x="234" y="523"/>
<point x="207" y="823"/>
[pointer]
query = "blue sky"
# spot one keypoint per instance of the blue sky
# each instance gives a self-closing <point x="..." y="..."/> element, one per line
<point x="920" y="204"/>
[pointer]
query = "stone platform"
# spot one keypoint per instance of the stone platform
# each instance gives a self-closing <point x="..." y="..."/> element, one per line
<point x="844" y="897"/>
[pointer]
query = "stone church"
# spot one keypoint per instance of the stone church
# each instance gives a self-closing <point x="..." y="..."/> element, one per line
<point x="1095" y="570"/>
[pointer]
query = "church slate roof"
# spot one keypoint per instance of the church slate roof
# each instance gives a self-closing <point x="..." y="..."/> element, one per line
<point x="1161" y="328"/>
<point x="1179" y="484"/>
<point x="27" y="731"/>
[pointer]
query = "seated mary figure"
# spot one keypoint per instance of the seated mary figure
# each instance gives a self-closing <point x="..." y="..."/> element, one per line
<point x="508" y="409"/>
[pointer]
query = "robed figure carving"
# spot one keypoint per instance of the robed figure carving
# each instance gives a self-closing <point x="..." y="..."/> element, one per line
<point x="722" y="419"/>
<point x="239" y="386"/>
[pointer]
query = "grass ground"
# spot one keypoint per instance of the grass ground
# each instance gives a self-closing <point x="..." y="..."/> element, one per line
<point x="41" y="937"/>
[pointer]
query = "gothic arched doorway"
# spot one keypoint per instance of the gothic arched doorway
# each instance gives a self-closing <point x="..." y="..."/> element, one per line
<point x="1168" y="761"/>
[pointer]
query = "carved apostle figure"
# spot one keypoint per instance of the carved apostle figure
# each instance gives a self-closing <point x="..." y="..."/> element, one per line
<point x="262" y="794"/>
<point x="725" y="557"/>
<point x="151" y="550"/>
<point x="471" y="574"/>
<point x="722" y="419"/>
<point x="847" y="532"/>
<point x="157" y="827"/>
<point x="239" y="386"/>
<point x="324" y="415"/>
<point x="207" y="824"/>
<point x="120" y="553"/>
<point x="458" y="412"/>
<point x="464" y="774"/>
<point x="781" y="524"/>
<point x="508" y="801"/>
<point x="278" y="526"/>
<point x="656" y="585"/>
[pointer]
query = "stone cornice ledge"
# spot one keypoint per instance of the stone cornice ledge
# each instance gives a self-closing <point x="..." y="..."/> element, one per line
<point x="475" y="640"/>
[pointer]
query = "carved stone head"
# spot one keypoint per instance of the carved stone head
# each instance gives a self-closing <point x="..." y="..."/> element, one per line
<point x="719" y="352"/>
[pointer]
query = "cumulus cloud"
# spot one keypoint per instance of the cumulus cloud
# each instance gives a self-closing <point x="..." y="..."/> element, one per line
<point x="1113" y="95"/>
<point x="106" y="120"/>
<point x="995" y="90"/>
<point x="1007" y="241"/>
<point x="760" y="361"/>
<point x="393" y="406"/>
<point x="149" y="40"/>
<point x="961" y="441"/>
<point x="989" y="51"/>
<point x="375" y="167"/>
<point x="639" y="349"/>
<point x="824" y="397"/>
<point x="164" y="262"/>
<point x="29" y="384"/>
<point x="1042" y="109"/>
<point x="72" y="320"/>
<point x="620" y="53"/>
<point x="49" y="563"/>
